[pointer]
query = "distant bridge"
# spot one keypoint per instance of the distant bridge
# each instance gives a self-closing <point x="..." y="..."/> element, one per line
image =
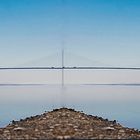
<point x="67" y="68"/>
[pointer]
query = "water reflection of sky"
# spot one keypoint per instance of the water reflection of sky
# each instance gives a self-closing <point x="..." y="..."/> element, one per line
<point x="112" y="102"/>
<point x="71" y="76"/>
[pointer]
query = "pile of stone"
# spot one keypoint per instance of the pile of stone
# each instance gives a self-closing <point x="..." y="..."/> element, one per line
<point x="66" y="123"/>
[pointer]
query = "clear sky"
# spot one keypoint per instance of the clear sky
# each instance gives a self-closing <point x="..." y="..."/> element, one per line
<point x="95" y="32"/>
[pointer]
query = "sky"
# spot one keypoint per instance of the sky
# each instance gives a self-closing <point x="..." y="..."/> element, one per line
<point x="93" y="32"/>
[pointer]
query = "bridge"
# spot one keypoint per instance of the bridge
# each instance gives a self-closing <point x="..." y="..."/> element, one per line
<point x="63" y="67"/>
<point x="67" y="68"/>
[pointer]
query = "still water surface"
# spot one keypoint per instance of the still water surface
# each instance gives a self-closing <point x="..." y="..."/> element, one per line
<point x="120" y="102"/>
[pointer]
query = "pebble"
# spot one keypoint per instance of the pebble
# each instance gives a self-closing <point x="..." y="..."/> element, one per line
<point x="56" y="125"/>
<point x="36" y="130"/>
<point x="44" y="118"/>
<point x="19" y="129"/>
<point x="67" y="137"/>
<point x="60" y="137"/>
<point x="91" y="130"/>
<point x="121" y="131"/>
<point x="6" y="131"/>
<point x="51" y="127"/>
<point x="108" y="128"/>
<point x="101" y="136"/>
<point x="72" y="125"/>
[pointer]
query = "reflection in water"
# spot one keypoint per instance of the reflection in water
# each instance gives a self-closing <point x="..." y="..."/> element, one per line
<point x="118" y="102"/>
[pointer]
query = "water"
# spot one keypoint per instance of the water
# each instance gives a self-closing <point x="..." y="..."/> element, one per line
<point x="120" y="102"/>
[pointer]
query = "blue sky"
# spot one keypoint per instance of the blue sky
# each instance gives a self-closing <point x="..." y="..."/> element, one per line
<point x="107" y="32"/>
<point x="95" y="32"/>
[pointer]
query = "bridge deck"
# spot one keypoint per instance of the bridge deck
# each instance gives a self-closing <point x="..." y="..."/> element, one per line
<point x="55" y="68"/>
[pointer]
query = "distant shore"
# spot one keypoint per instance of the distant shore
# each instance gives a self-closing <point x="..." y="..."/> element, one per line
<point x="67" y="123"/>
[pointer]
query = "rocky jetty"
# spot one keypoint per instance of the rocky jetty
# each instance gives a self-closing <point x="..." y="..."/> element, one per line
<point x="66" y="123"/>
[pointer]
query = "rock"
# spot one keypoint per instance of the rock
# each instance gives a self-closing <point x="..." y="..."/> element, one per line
<point x="19" y="129"/>
<point x="56" y="125"/>
<point x="44" y="118"/>
<point x="101" y="136"/>
<point x="121" y="131"/>
<point x="67" y="137"/>
<point x="60" y="137"/>
<point x="27" y="137"/>
<point x="66" y="123"/>
<point x="36" y="130"/>
<point x="114" y="122"/>
<point x="91" y="129"/>
<point x="51" y="127"/>
<point x="72" y="125"/>
<point x="108" y="128"/>
<point x="6" y="131"/>
<point x="51" y="130"/>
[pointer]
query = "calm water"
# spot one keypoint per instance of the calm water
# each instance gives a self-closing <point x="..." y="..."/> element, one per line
<point x="120" y="102"/>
